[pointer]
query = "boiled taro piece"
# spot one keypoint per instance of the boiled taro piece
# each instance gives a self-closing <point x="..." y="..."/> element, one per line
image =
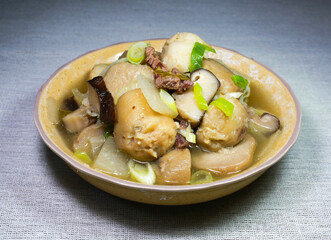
<point x="174" y="167"/>
<point x="227" y="160"/>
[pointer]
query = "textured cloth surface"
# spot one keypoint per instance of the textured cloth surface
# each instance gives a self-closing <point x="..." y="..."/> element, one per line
<point x="41" y="198"/>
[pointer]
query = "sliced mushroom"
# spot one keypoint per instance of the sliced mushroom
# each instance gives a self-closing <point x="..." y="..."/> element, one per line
<point x="266" y="124"/>
<point x="140" y="131"/>
<point x="186" y="103"/>
<point x="101" y="100"/>
<point x="218" y="130"/>
<point x="174" y="167"/>
<point x="227" y="160"/>
<point x="78" y="120"/>
<point x="223" y="74"/>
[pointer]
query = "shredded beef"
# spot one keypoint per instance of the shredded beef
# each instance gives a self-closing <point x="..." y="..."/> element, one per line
<point x="169" y="82"/>
<point x="181" y="142"/>
<point x="153" y="59"/>
<point x="183" y="124"/>
<point x="172" y="82"/>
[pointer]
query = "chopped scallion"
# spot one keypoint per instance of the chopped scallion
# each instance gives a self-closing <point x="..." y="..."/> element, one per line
<point x="83" y="156"/>
<point x="168" y="99"/>
<point x="142" y="173"/>
<point x="201" y="177"/>
<point x="190" y="137"/>
<point x="136" y="52"/>
<point x="240" y="81"/>
<point x="199" y="97"/>
<point x="223" y="104"/>
<point x="197" y="55"/>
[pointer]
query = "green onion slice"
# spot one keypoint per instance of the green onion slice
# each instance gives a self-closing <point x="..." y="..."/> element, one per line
<point x="240" y="81"/>
<point x="136" y="52"/>
<point x="223" y="104"/>
<point x="190" y="137"/>
<point x="188" y="134"/>
<point x="197" y="55"/>
<point x="83" y="156"/>
<point x="201" y="177"/>
<point x="168" y="99"/>
<point x="142" y="173"/>
<point x="199" y="97"/>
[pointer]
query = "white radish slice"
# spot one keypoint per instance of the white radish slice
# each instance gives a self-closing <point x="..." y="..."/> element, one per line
<point x="152" y="95"/>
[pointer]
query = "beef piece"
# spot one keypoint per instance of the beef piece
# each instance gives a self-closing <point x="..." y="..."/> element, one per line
<point x="183" y="124"/>
<point x="153" y="59"/>
<point x="175" y="71"/>
<point x="172" y="82"/>
<point x="181" y="142"/>
<point x="167" y="82"/>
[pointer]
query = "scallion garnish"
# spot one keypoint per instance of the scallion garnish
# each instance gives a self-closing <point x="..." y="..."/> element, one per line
<point x="83" y="156"/>
<point x="142" y="173"/>
<point x="190" y="137"/>
<point x="169" y="100"/>
<point x="223" y="104"/>
<point x="136" y="52"/>
<point x="201" y="177"/>
<point x="240" y="81"/>
<point x="199" y="97"/>
<point x="197" y="55"/>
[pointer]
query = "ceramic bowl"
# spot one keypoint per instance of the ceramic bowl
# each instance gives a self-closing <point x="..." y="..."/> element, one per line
<point x="271" y="89"/>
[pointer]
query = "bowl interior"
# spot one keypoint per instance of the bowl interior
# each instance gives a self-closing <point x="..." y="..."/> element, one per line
<point x="266" y="86"/>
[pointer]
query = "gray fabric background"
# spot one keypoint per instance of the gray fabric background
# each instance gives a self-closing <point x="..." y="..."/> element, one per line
<point x="41" y="198"/>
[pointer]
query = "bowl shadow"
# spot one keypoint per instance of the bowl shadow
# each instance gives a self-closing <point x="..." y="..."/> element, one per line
<point x="168" y="220"/>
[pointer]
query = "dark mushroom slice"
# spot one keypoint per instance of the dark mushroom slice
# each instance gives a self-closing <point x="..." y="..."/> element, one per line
<point x="223" y="74"/>
<point x="266" y="124"/>
<point x="226" y="160"/>
<point x="78" y="120"/>
<point x="186" y="103"/>
<point x="174" y="167"/>
<point x="101" y="100"/>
